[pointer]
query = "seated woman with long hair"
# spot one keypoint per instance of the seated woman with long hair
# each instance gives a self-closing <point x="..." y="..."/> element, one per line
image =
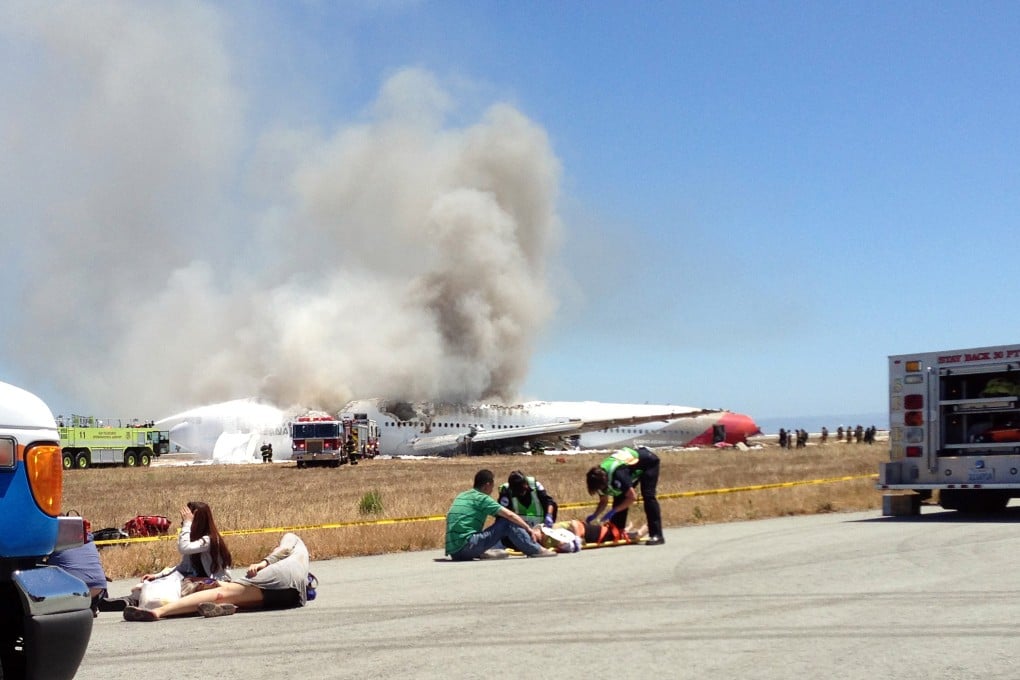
<point x="204" y="553"/>
<point x="204" y="556"/>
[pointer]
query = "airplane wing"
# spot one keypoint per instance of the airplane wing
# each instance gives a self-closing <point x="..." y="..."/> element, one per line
<point x="445" y="442"/>
<point x="577" y="426"/>
<point x="609" y="423"/>
<point x="527" y="432"/>
<point x="437" y="444"/>
<point x="442" y="444"/>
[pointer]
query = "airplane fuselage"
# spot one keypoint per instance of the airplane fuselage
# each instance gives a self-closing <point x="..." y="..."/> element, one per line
<point x="234" y="431"/>
<point x="449" y="429"/>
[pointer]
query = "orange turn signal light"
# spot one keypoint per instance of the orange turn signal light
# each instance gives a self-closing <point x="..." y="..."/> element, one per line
<point x="45" y="476"/>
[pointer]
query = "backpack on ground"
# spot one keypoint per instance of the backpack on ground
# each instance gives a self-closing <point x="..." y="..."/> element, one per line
<point x="109" y="534"/>
<point x="147" y="525"/>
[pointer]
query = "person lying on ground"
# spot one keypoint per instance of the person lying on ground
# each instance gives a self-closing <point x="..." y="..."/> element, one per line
<point x="279" y="581"/>
<point x="589" y="535"/>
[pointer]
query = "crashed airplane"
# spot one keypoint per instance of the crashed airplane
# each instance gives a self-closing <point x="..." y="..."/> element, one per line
<point x="233" y="431"/>
<point x="450" y="429"/>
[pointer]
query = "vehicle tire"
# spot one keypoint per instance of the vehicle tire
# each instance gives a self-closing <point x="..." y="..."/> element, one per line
<point x="68" y="462"/>
<point x="145" y="459"/>
<point x="131" y="460"/>
<point x="300" y="464"/>
<point x="82" y="462"/>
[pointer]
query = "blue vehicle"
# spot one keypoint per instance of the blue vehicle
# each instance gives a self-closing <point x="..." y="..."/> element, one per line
<point x="45" y="615"/>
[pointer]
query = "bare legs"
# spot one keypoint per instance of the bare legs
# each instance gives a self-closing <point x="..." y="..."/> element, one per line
<point x="244" y="596"/>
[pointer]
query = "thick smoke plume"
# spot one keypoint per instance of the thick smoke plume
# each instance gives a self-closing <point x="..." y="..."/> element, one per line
<point x="179" y="250"/>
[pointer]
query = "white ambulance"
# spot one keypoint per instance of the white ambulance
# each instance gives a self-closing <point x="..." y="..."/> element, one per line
<point x="954" y="427"/>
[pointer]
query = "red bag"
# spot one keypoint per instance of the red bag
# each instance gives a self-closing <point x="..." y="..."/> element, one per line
<point x="147" y="525"/>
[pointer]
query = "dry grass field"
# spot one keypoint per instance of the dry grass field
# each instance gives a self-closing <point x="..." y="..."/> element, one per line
<point x="254" y="497"/>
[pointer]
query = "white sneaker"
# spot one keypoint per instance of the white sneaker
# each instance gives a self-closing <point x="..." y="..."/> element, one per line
<point x="494" y="554"/>
<point x="545" y="553"/>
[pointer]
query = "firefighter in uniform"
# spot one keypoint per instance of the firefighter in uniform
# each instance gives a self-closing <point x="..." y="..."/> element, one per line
<point x="351" y="448"/>
<point x="615" y="477"/>
<point x="528" y="498"/>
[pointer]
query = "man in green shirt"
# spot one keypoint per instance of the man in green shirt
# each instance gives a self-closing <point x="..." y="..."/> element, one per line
<point x="465" y="538"/>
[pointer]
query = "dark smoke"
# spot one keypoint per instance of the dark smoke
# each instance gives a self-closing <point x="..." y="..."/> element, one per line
<point x="188" y="257"/>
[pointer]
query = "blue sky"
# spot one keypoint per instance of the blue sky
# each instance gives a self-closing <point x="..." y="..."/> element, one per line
<point x="759" y="201"/>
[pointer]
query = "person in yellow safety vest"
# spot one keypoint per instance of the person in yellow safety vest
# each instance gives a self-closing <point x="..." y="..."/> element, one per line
<point x="615" y="478"/>
<point x="467" y="540"/>
<point x="528" y="498"/>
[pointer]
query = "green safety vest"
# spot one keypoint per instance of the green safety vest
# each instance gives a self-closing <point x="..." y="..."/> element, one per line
<point x="533" y="512"/>
<point x="625" y="456"/>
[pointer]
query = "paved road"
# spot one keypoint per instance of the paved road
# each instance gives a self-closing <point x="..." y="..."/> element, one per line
<point x="829" y="596"/>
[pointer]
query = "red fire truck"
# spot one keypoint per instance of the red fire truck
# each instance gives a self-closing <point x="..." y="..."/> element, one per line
<point x="361" y="437"/>
<point x="326" y="440"/>
<point x="317" y="440"/>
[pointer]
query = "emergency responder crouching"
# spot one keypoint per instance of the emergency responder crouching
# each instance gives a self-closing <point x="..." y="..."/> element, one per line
<point x="528" y="498"/>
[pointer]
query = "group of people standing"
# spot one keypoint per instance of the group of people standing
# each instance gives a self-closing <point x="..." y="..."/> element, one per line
<point x="857" y="434"/>
<point x="792" y="438"/>
<point x="524" y="507"/>
<point x="799" y="438"/>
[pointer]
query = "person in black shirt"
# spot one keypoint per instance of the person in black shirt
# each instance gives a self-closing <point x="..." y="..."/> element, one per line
<point x="615" y="478"/>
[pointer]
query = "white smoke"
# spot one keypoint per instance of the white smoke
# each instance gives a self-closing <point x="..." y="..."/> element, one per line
<point x="176" y="256"/>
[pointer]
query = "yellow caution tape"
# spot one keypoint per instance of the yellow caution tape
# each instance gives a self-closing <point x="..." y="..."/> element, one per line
<point x="738" y="489"/>
<point x="437" y="518"/>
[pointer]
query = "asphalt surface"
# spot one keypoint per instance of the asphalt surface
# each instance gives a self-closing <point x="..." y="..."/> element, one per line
<point x="827" y="596"/>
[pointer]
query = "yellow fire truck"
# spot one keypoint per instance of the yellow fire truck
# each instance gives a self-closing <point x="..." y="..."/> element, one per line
<point x="88" y="441"/>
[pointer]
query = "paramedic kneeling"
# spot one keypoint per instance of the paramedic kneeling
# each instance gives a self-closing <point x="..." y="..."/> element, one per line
<point x="528" y="498"/>
<point x="465" y="538"/>
<point x="616" y="477"/>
